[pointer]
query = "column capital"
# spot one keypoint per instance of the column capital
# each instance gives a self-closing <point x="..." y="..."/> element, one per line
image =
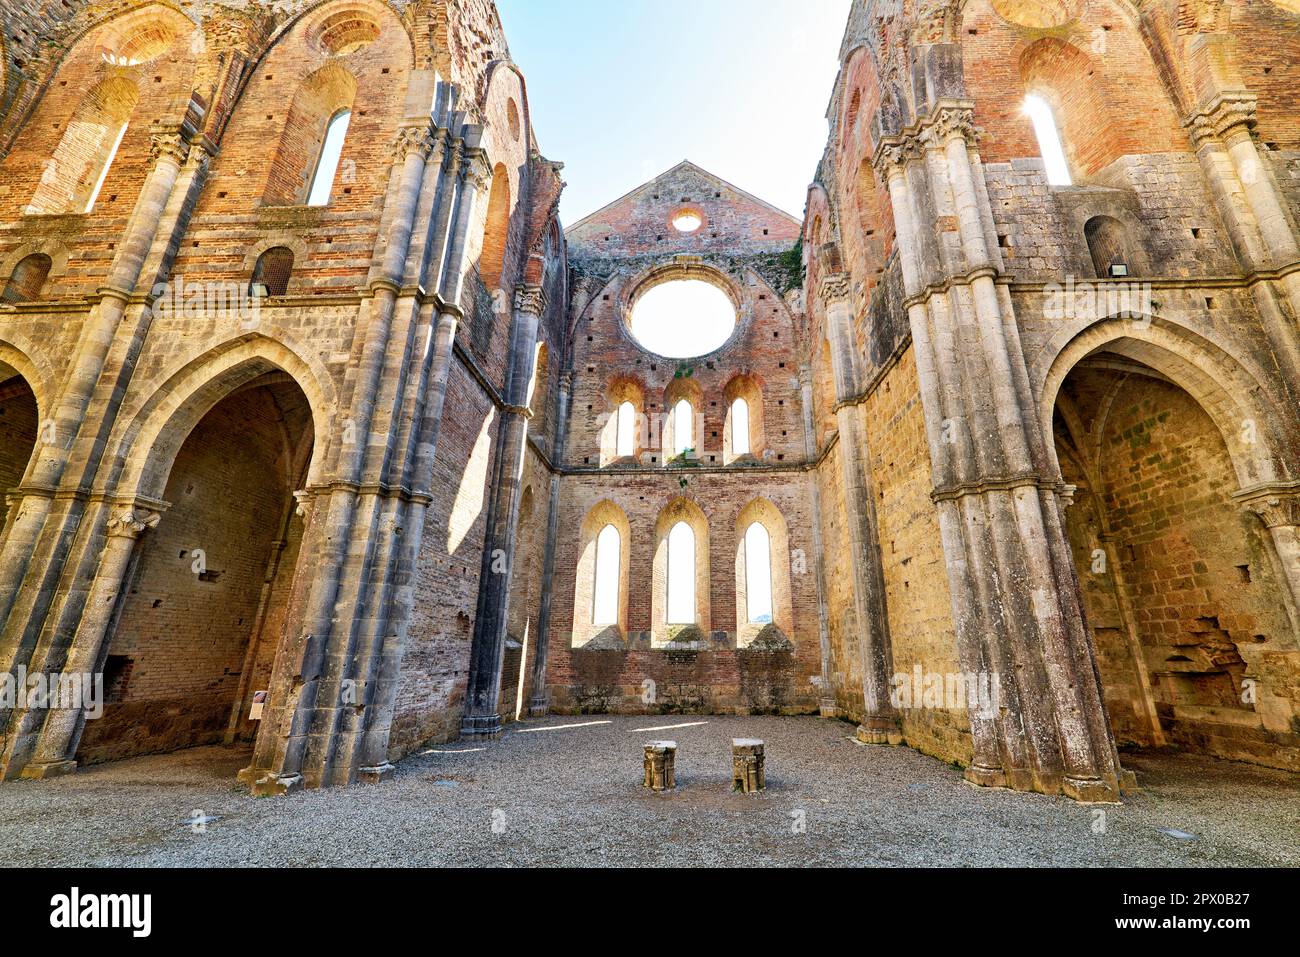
<point x="530" y="299"/>
<point x="1221" y="116"/>
<point x="414" y="138"/>
<point x="946" y="121"/>
<point x="131" y="522"/>
<point x="834" y="289"/>
<point x="1277" y="504"/>
<point x="166" y="142"/>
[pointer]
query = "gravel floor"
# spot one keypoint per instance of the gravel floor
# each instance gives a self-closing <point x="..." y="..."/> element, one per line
<point x="567" y="791"/>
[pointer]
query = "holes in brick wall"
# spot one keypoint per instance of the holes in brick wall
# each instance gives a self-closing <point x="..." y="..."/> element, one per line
<point x="1210" y="303"/>
<point x="1243" y="572"/>
<point x="1196" y="232"/>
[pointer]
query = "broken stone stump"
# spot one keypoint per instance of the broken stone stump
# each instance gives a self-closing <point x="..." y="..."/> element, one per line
<point x="747" y="773"/>
<point x="659" y="758"/>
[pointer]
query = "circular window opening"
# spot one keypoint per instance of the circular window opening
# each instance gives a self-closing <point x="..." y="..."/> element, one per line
<point x="683" y="318"/>
<point x="141" y="46"/>
<point x="1038" y="14"/>
<point x="346" y="32"/>
<point x="688" y="220"/>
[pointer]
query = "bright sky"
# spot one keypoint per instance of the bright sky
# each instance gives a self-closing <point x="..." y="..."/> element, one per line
<point x="622" y="90"/>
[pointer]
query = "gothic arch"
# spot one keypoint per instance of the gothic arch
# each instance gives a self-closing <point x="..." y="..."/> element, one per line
<point x="664" y="634"/>
<point x="151" y="440"/>
<point x="763" y="511"/>
<point x="585" y="630"/>
<point x="1229" y="393"/>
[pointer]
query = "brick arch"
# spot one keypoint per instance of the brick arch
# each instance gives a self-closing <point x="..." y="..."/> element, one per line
<point x="762" y="510"/>
<point x="1228" y="392"/>
<point x="623" y="388"/>
<point x="314" y="15"/>
<point x="154" y="435"/>
<point x="317" y="99"/>
<point x="680" y="509"/>
<point x="747" y="386"/>
<point x="88" y="143"/>
<point x="496" y="230"/>
<point x="681" y="388"/>
<point x="584" y="631"/>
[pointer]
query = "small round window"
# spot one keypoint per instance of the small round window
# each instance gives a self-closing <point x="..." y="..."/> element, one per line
<point x="683" y="318"/>
<point x="688" y="220"/>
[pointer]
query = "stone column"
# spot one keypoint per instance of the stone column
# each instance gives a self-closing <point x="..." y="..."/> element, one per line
<point x="1016" y="599"/>
<point x="880" y="723"/>
<point x="540" y="700"/>
<point x="56" y="742"/>
<point x="826" y="705"/>
<point x="169" y="150"/>
<point x="1222" y="133"/>
<point x="1277" y="506"/>
<point x="482" y="699"/>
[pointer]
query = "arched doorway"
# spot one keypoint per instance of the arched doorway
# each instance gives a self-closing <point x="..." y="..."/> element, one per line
<point x="1186" y="601"/>
<point x="19" y="427"/>
<point x="196" y="632"/>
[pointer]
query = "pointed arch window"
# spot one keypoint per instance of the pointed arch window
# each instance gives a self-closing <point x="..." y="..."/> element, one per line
<point x="609" y="556"/>
<point x="758" y="573"/>
<point x="740" y="427"/>
<point x="1049" y="140"/>
<point x="625" y="443"/>
<point x="331" y="152"/>
<point x="683" y="427"/>
<point x="681" y="575"/>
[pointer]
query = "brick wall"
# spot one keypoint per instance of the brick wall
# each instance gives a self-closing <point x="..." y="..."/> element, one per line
<point x="184" y="628"/>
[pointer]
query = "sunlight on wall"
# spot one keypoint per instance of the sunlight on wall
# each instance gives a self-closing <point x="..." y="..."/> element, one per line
<point x="468" y="506"/>
<point x="1049" y="140"/>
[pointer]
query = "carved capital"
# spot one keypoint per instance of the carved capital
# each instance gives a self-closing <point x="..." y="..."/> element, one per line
<point x="417" y="139"/>
<point x="166" y="142"/>
<point x="131" y="522"/>
<point x="304" y="500"/>
<point x="948" y="122"/>
<point x="1221" y="116"/>
<point x="530" y="299"/>
<point x="835" y="288"/>
<point x="1277" y="506"/>
<point x="893" y="154"/>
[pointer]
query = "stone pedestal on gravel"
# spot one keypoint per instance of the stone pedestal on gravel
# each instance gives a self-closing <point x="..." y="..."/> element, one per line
<point x="747" y="773"/>
<point x="659" y="758"/>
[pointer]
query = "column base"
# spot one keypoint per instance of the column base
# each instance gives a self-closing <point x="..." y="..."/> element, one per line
<point x="376" y="775"/>
<point x="481" y="725"/>
<point x="263" y="783"/>
<point x="1090" y="790"/>
<point x="826" y="708"/>
<point x="880" y="731"/>
<point x="539" y="707"/>
<point x="986" y="777"/>
<point x="48" y="769"/>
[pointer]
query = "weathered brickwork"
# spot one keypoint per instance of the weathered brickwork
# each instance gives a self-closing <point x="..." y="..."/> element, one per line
<point x="1108" y="469"/>
<point x="1025" y="454"/>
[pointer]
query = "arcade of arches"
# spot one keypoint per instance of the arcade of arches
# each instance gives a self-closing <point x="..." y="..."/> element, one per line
<point x="328" y="450"/>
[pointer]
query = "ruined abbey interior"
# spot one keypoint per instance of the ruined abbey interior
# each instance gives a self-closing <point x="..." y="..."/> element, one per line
<point x="323" y="436"/>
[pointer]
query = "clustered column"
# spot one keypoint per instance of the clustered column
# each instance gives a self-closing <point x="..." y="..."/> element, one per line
<point x="1016" y="600"/>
